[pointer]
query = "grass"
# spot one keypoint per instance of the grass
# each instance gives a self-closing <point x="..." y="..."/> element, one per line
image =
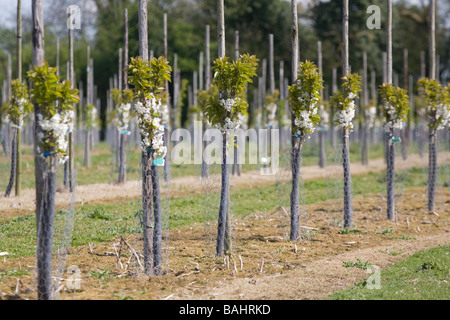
<point x="422" y="276"/>
<point x="100" y="223"/>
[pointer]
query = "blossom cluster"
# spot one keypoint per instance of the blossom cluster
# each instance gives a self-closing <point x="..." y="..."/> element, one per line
<point x="151" y="127"/>
<point x="442" y="115"/>
<point x="344" y="116"/>
<point x="305" y="120"/>
<point x="392" y="121"/>
<point x="122" y="117"/>
<point x="229" y="123"/>
<point x="370" y="116"/>
<point x="54" y="135"/>
<point x="17" y="117"/>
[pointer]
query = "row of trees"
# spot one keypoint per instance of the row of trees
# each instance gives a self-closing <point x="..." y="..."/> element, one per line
<point x="54" y="113"/>
<point x="254" y="20"/>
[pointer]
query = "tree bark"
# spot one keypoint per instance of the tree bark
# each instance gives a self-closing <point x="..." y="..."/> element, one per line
<point x="13" y="164"/>
<point x="38" y="59"/>
<point x="391" y="177"/>
<point x="222" y="231"/>
<point x="45" y="238"/>
<point x="347" y="181"/>
<point x="432" y="165"/>
<point x="157" y="231"/>
<point x="296" y="141"/>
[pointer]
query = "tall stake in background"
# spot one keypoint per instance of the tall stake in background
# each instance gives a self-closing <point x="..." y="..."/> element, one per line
<point x="390" y="143"/>
<point x="345" y="133"/>
<point x="297" y="142"/>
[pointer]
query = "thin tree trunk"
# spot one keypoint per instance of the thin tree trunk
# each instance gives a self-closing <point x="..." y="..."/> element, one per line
<point x="345" y="133"/>
<point x="38" y="59"/>
<point x="432" y="165"/>
<point x="296" y="141"/>
<point x="86" y="162"/>
<point x="347" y="181"/>
<point x="295" y="196"/>
<point x="432" y="40"/>
<point x="45" y="238"/>
<point x="365" y="129"/>
<point x="236" y="165"/>
<point x="147" y="184"/>
<point x="389" y="143"/>
<point x="222" y="231"/>
<point x="13" y="164"/>
<point x="157" y="231"/>
<point x="166" y="127"/>
<point x="432" y="153"/>
<point x="321" y="129"/>
<point x="19" y="77"/>
<point x="391" y="177"/>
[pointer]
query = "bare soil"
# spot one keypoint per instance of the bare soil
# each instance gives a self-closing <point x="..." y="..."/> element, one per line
<point x="272" y="266"/>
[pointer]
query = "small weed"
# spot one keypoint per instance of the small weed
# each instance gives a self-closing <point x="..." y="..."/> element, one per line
<point x="403" y="237"/>
<point x="122" y="296"/>
<point x="100" y="214"/>
<point x="392" y="252"/>
<point x="350" y="231"/>
<point x="102" y="274"/>
<point x="430" y="266"/>
<point x="386" y="231"/>
<point x="359" y="264"/>
<point x="14" y="273"/>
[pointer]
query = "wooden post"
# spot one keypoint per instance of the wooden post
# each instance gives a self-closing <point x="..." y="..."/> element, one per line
<point x="223" y="231"/>
<point x="321" y="129"/>
<point x="147" y="184"/>
<point x="422" y="65"/>
<point x="432" y="40"/>
<point x="166" y="126"/>
<point x="122" y="70"/>
<point x="19" y="77"/>
<point x="297" y="142"/>
<point x="271" y="65"/>
<point x="86" y="162"/>
<point x="390" y="144"/>
<point x="345" y="139"/>
<point x="71" y="146"/>
<point x="432" y="135"/>
<point x="365" y="136"/>
<point x="207" y="58"/>
<point x="236" y="169"/>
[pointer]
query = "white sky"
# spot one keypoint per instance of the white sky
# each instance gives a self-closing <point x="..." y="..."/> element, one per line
<point x="8" y="9"/>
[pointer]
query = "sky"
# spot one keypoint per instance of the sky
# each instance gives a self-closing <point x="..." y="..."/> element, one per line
<point x="8" y="10"/>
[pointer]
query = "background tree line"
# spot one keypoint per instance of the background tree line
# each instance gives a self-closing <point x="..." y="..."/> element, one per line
<point x="102" y="30"/>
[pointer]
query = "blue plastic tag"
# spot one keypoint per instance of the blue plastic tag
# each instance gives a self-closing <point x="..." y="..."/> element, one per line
<point x="158" y="162"/>
<point x="126" y="132"/>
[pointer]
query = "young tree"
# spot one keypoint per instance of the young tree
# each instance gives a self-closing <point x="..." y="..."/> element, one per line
<point x="55" y="101"/>
<point x="396" y="106"/>
<point x="148" y="79"/>
<point x="437" y="102"/>
<point x="224" y="111"/>
<point x="303" y="97"/>
<point x="343" y="100"/>
<point x="121" y="118"/>
<point x="16" y="109"/>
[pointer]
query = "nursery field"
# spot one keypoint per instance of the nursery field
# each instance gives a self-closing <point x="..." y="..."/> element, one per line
<point x="264" y="264"/>
<point x="196" y="150"/>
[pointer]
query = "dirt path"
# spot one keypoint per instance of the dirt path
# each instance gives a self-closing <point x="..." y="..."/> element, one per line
<point x="103" y="193"/>
<point x="316" y="280"/>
